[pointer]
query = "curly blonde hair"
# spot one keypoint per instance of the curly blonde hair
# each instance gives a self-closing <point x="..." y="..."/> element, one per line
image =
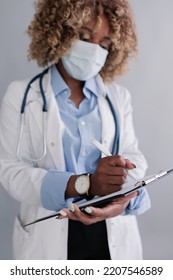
<point x="56" y="25"/>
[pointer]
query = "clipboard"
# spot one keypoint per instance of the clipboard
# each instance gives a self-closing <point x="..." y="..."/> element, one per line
<point x="98" y="201"/>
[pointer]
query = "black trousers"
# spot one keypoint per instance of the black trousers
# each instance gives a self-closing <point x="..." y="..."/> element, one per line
<point x="87" y="242"/>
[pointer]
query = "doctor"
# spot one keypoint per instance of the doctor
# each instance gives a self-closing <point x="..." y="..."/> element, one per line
<point x="51" y="161"/>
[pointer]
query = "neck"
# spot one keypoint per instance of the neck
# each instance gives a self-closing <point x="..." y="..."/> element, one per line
<point x="70" y="81"/>
<point x="75" y="86"/>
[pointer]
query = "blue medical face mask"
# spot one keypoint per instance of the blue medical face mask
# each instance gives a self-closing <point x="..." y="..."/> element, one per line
<point x="84" y="61"/>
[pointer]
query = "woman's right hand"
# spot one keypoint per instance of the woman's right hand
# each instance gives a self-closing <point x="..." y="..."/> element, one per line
<point x="109" y="176"/>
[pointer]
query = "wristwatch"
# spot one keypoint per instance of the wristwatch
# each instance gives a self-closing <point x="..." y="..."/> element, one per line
<point x="82" y="184"/>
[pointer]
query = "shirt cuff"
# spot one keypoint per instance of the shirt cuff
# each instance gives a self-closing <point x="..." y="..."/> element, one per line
<point x="53" y="189"/>
<point x="139" y="204"/>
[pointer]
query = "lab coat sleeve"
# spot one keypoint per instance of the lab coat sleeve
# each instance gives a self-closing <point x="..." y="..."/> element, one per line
<point x="129" y="148"/>
<point x="139" y="204"/>
<point x="21" y="180"/>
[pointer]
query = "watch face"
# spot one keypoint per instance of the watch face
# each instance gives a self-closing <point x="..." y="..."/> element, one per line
<point x="82" y="184"/>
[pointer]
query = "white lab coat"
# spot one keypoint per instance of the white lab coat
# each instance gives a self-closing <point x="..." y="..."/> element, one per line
<point x="48" y="239"/>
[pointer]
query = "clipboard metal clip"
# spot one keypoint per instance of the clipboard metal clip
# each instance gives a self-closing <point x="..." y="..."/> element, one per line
<point x="156" y="177"/>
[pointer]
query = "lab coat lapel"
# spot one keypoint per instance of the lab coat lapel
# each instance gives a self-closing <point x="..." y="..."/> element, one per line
<point x="108" y="124"/>
<point x="55" y="131"/>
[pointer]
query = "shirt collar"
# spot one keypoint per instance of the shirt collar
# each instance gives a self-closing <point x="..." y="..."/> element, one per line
<point x="91" y="86"/>
<point x="59" y="85"/>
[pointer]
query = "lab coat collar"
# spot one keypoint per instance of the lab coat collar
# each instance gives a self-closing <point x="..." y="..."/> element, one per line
<point x="101" y="86"/>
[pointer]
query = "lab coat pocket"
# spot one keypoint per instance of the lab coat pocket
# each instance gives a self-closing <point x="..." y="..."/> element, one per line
<point x="20" y="237"/>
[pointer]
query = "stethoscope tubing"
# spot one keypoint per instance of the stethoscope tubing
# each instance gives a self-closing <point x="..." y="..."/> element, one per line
<point x="40" y="77"/>
<point x="45" y="110"/>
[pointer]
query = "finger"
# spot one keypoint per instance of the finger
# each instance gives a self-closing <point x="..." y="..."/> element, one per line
<point x="75" y="213"/>
<point x="83" y="216"/>
<point x="123" y="199"/>
<point x="71" y="215"/>
<point x="62" y="215"/>
<point x="115" y="171"/>
<point x="71" y="207"/>
<point x="132" y="195"/>
<point x="113" y="209"/>
<point x="129" y="164"/>
<point x="78" y="215"/>
<point x="88" y="210"/>
<point x="115" y="180"/>
<point x="96" y="212"/>
<point x="115" y="161"/>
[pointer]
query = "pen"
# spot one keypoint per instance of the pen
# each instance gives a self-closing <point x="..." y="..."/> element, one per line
<point x="103" y="149"/>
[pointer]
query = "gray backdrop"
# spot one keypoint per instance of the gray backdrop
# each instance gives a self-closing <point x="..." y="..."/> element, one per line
<point x="149" y="79"/>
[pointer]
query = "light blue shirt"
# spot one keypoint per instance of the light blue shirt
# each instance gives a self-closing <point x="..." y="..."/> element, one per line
<point x="82" y="125"/>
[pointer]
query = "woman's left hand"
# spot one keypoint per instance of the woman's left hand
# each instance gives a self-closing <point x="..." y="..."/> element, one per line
<point x="93" y="215"/>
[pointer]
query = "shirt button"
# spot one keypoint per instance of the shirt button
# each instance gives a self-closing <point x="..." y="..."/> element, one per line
<point x="82" y="123"/>
<point x="83" y="153"/>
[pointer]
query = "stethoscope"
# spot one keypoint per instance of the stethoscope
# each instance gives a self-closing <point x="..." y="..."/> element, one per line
<point x="25" y="158"/>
